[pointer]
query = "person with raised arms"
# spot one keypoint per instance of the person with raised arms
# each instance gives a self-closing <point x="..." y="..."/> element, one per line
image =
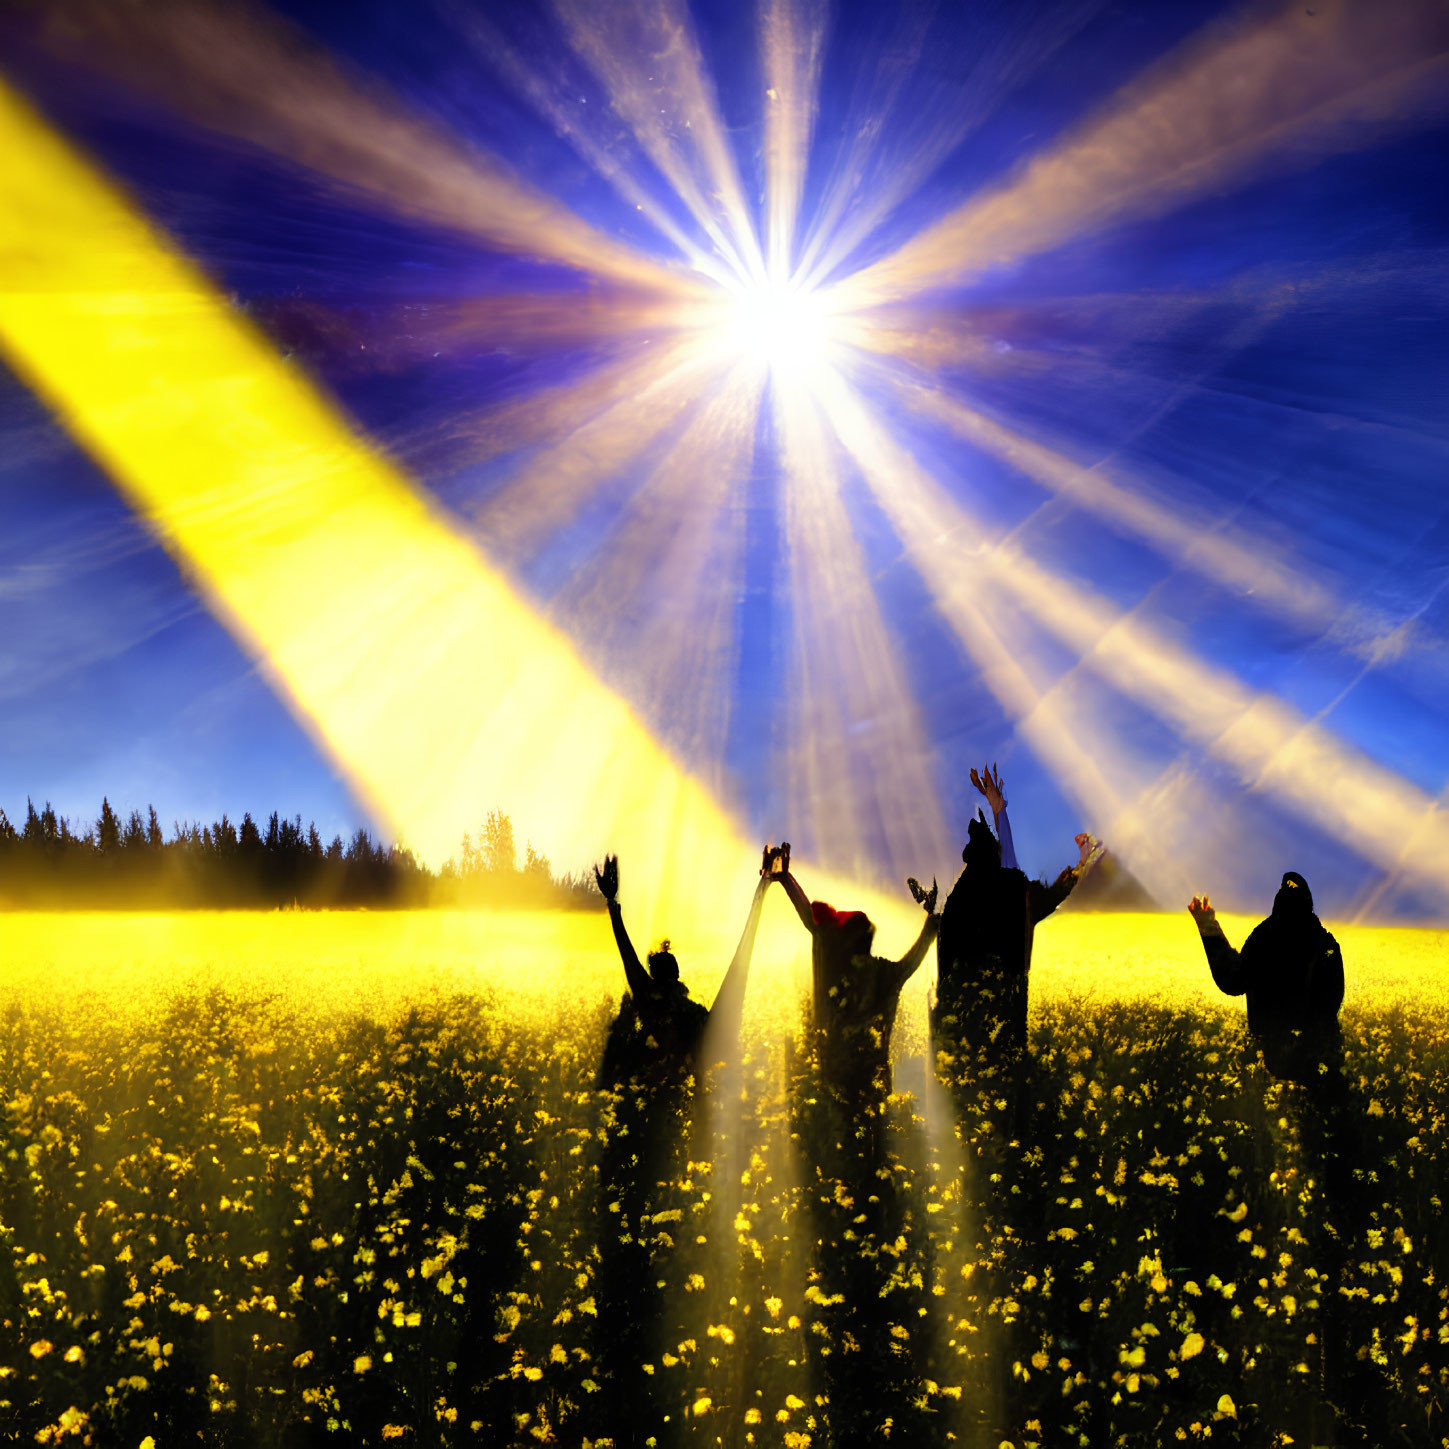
<point x="657" y="1034"/>
<point x="987" y="930"/>
<point x="854" y="993"/>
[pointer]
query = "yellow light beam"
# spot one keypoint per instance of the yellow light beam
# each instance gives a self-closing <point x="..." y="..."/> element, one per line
<point x="1270" y="745"/>
<point x="1286" y="89"/>
<point x="434" y="689"/>
<point x="243" y="72"/>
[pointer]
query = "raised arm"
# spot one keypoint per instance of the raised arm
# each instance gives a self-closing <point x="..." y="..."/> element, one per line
<point x="1229" y="975"/>
<point x="729" y="1000"/>
<point x="989" y="783"/>
<point x="797" y="899"/>
<point x="607" y="877"/>
<point x="910" y="962"/>
<point x="1008" y="846"/>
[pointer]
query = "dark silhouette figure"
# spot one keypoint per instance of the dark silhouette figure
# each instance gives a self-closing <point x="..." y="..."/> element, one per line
<point x="655" y="1123"/>
<point x="854" y="993"/>
<point x="1291" y="970"/>
<point x="857" y="1212"/>
<point x="656" y="1035"/>
<point x="987" y="927"/>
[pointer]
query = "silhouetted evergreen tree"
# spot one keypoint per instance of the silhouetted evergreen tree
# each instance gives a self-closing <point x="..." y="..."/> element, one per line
<point x="499" y="852"/>
<point x="111" y="864"/>
<point x="108" y="828"/>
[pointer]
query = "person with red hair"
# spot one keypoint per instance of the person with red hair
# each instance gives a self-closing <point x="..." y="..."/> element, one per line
<point x="854" y="993"/>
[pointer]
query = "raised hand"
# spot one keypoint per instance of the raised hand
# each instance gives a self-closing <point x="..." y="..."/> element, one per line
<point x="923" y="897"/>
<point x="1201" y="910"/>
<point x="989" y="783"/>
<point x="608" y="877"/>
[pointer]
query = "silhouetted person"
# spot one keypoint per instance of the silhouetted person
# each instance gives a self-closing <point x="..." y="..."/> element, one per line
<point x="652" y="1059"/>
<point x="657" y="1034"/>
<point x="854" y="994"/>
<point x="987" y="927"/>
<point x="1291" y="970"/>
<point x="859" y="1364"/>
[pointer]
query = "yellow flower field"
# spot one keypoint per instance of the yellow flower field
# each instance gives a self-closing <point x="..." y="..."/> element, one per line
<point x="289" y="1178"/>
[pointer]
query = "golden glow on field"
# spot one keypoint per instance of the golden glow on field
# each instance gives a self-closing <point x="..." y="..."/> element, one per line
<point x="540" y="965"/>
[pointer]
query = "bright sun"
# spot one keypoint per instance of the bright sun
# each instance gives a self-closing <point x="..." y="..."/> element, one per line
<point x="778" y="324"/>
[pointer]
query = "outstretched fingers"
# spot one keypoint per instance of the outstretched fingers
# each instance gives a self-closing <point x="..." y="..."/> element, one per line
<point x="607" y="877"/>
<point x="988" y="782"/>
<point x="920" y="895"/>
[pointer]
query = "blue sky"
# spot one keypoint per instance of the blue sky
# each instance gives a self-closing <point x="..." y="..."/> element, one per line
<point x="1264" y="356"/>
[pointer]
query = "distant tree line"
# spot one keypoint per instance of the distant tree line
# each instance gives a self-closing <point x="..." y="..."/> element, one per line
<point x="132" y="864"/>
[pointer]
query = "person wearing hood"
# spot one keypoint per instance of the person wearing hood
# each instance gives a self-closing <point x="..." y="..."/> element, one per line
<point x="1291" y="970"/>
<point x="987" y="929"/>
<point x="854" y="993"/>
